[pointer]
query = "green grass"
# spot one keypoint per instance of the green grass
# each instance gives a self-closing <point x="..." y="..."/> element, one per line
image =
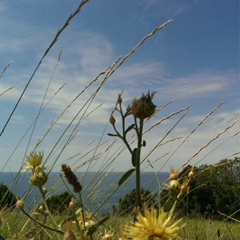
<point x="203" y="229"/>
<point x="198" y="228"/>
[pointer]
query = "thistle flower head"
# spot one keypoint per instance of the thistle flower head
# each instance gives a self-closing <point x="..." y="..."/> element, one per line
<point x="174" y="187"/>
<point x="39" y="177"/>
<point x="143" y="107"/>
<point x="153" y="225"/>
<point x="34" y="160"/>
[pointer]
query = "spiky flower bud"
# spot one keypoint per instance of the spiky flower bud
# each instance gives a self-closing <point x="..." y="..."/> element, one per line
<point x="184" y="187"/>
<point x="191" y="174"/>
<point x="173" y="174"/>
<point x="19" y="203"/>
<point x="119" y="101"/>
<point x="143" y="107"/>
<point x="39" y="177"/>
<point x="71" y="178"/>
<point x="174" y="187"/>
<point x="72" y="204"/>
<point x="112" y="120"/>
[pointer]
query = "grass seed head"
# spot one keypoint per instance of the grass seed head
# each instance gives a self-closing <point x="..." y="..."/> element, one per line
<point x="71" y="178"/>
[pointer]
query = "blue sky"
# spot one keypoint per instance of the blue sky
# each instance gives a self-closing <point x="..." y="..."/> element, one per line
<point x="194" y="61"/>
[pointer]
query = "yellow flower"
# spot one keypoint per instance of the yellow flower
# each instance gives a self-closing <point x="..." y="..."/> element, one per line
<point x="34" y="160"/>
<point x="153" y="226"/>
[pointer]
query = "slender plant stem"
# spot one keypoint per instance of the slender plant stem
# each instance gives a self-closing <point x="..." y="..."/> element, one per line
<point x="41" y="224"/>
<point x="46" y="207"/>
<point x="138" y="170"/>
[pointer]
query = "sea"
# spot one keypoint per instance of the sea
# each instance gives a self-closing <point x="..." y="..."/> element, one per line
<point x="100" y="190"/>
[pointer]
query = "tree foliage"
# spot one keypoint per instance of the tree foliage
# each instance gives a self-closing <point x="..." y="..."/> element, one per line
<point x="59" y="203"/>
<point x="215" y="189"/>
<point x="7" y="198"/>
<point x="128" y="202"/>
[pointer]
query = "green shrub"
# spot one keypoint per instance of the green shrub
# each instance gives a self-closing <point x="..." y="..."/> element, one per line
<point x="7" y="198"/>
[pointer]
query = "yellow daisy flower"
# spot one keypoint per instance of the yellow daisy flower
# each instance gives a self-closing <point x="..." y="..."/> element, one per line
<point x="153" y="226"/>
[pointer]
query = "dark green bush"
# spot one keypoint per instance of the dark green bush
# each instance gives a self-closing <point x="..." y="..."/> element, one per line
<point x="128" y="202"/>
<point x="215" y="189"/>
<point x="7" y="198"/>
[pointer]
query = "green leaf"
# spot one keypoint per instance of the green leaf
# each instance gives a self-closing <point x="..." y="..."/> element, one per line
<point x="129" y="128"/>
<point x="111" y="135"/>
<point x="134" y="157"/>
<point x="93" y="228"/>
<point x="125" y="176"/>
<point x="2" y="238"/>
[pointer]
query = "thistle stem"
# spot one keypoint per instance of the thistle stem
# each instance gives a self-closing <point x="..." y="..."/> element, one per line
<point x="138" y="170"/>
<point x="46" y="207"/>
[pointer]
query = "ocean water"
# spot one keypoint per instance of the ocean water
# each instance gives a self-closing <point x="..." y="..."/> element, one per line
<point x="100" y="189"/>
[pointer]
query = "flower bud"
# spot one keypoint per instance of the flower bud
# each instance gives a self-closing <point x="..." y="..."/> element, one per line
<point x="173" y="174"/>
<point x="39" y="177"/>
<point x="143" y="107"/>
<point x="19" y="203"/>
<point x="41" y="209"/>
<point x="184" y="187"/>
<point x="112" y="120"/>
<point x="119" y="101"/>
<point x="72" y="204"/>
<point x="191" y="174"/>
<point x="174" y="187"/>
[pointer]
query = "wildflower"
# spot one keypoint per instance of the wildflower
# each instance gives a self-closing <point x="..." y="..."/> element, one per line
<point x="71" y="178"/>
<point x="143" y="107"/>
<point x="153" y="226"/>
<point x="39" y="177"/>
<point x="19" y="203"/>
<point x="34" y="160"/>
